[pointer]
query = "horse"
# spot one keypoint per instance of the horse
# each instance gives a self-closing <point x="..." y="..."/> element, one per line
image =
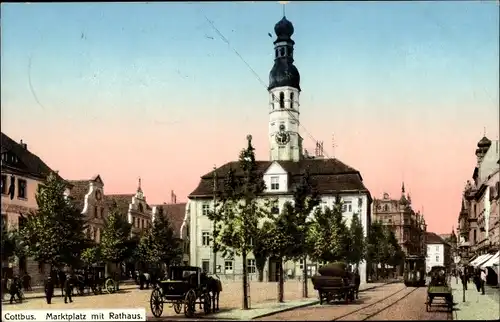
<point x="214" y="287"/>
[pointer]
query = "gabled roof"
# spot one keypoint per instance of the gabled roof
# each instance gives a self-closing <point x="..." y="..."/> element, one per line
<point x="433" y="238"/>
<point x="29" y="163"/>
<point x="175" y="213"/>
<point x="329" y="175"/>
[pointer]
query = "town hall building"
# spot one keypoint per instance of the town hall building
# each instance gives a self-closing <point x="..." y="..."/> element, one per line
<point x="281" y="173"/>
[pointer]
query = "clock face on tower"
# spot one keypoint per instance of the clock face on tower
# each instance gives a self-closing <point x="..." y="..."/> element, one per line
<point x="282" y="138"/>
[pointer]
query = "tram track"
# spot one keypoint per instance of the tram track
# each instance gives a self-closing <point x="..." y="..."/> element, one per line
<point x="371" y="313"/>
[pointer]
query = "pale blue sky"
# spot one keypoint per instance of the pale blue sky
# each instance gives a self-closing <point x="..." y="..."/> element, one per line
<point x="139" y="54"/>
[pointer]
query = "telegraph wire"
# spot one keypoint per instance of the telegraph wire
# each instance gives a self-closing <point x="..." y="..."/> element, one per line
<point x="224" y="39"/>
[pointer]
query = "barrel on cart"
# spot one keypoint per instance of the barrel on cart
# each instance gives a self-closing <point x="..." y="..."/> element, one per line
<point x="336" y="283"/>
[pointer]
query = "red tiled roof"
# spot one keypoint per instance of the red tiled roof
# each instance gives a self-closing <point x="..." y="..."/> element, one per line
<point x="329" y="175"/>
<point x="175" y="213"/>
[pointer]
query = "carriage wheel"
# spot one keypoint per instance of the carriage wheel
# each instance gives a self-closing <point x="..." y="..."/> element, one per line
<point x="189" y="303"/>
<point x="177" y="306"/>
<point x="207" y="301"/>
<point x="110" y="285"/>
<point x="156" y="303"/>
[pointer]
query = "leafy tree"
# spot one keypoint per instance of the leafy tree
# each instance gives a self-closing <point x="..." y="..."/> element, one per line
<point x="261" y="249"/>
<point x="282" y="245"/>
<point x="305" y="199"/>
<point x="91" y="256"/>
<point x="241" y="212"/>
<point x="55" y="233"/>
<point x="357" y="241"/>
<point x="378" y="249"/>
<point x="328" y="235"/>
<point x="396" y="254"/>
<point x="160" y="245"/>
<point x="116" y="236"/>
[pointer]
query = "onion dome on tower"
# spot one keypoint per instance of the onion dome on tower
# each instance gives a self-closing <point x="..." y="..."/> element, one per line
<point x="284" y="72"/>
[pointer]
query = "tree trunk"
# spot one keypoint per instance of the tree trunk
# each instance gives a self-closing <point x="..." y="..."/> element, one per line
<point x="245" y="280"/>
<point x="281" y="281"/>
<point x="304" y="278"/>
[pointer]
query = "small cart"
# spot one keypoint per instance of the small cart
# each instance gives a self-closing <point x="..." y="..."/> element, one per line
<point x="439" y="288"/>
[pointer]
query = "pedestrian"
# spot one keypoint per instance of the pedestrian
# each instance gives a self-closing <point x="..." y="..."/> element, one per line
<point x="15" y="289"/>
<point x="49" y="289"/>
<point x="483" y="280"/>
<point x="68" y="288"/>
<point x="142" y="279"/>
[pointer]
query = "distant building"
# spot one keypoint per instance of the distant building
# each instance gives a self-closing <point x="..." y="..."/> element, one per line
<point x="22" y="172"/>
<point x="408" y="226"/>
<point x="438" y="251"/>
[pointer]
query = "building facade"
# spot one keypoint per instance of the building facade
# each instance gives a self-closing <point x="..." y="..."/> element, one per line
<point x="478" y="217"/>
<point x="408" y="226"/>
<point x="438" y="252"/>
<point x="281" y="173"/>
<point x="22" y="172"/>
<point x="88" y="197"/>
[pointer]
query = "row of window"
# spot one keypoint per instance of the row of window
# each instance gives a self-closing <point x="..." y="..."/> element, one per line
<point x="140" y="222"/>
<point x="21" y="186"/>
<point x="229" y="266"/>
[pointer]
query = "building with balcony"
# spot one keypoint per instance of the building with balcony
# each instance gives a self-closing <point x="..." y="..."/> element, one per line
<point x="408" y="226"/>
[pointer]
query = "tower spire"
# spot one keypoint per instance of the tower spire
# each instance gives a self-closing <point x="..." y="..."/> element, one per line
<point x="139" y="189"/>
<point x="403" y="188"/>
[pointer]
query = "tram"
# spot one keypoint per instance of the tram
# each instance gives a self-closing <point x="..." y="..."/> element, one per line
<point x="414" y="272"/>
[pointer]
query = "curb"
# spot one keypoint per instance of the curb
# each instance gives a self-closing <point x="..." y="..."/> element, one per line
<point x="312" y="303"/>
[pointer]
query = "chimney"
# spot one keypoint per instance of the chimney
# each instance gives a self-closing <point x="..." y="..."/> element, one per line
<point x="25" y="146"/>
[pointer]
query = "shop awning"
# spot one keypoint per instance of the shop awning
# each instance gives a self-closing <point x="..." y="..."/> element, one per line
<point x="483" y="260"/>
<point x="490" y="262"/>
<point x="478" y="259"/>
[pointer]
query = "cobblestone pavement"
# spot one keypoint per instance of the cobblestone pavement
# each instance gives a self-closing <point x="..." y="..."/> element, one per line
<point x="406" y="304"/>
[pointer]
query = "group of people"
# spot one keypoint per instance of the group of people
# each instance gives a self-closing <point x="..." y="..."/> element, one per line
<point x="67" y="282"/>
<point x="478" y="275"/>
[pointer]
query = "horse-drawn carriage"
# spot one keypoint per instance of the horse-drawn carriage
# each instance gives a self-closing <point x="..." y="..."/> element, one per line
<point x="185" y="287"/>
<point x="439" y="288"/>
<point x="92" y="278"/>
<point x="336" y="283"/>
<point x="414" y="273"/>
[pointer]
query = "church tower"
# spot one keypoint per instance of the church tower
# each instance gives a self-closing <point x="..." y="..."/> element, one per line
<point x="284" y="90"/>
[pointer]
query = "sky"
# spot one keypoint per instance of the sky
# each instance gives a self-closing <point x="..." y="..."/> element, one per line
<point x="151" y="90"/>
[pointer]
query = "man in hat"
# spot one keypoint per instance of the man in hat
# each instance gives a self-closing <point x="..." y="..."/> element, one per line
<point x="49" y="289"/>
<point x="68" y="288"/>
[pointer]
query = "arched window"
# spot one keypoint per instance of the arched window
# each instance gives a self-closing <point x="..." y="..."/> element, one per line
<point x="291" y="100"/>
<point x="276" y="52"/>
<point x="386" y="208"/>
<point x="141" y="208"/>
<point x="282" y="100"/>
<point x="282" y="52"/>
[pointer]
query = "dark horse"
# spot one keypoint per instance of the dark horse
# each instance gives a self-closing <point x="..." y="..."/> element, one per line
<point x="214" y="287"/>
